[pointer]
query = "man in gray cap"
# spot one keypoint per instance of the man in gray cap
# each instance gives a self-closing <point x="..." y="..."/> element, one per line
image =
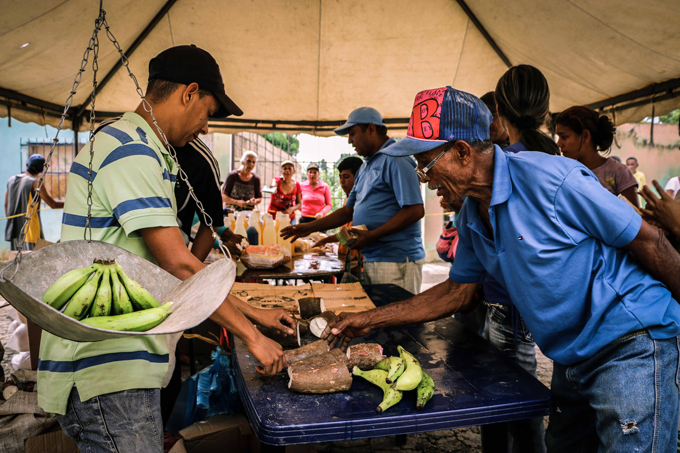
<point x="386" y="198"/>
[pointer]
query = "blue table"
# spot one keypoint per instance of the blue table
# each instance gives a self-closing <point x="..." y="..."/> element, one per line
<point x="475" y="384"/>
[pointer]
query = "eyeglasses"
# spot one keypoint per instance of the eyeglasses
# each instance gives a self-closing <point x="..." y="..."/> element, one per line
<point x="422" y="173"/>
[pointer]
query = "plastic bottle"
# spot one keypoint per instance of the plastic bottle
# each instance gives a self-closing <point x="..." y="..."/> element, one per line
<point x="298" y="216"/>
<point x="283" y="223"/>
<point x="232" y="221"/>
<point x="268" y="230"/>
<point x="254" y="229"/>
<point x="241" y="224"/>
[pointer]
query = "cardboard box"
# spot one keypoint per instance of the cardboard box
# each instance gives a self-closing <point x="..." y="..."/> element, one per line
<point x="349" y="297"/>
<point x="54" y="442"/>
<point x="220" y="433"/>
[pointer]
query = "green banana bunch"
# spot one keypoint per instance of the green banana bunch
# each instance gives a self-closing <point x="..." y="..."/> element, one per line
<point x="121" y="300"/>
<point x="425" y="390"/>
<point x="80" y="303"/>
<point x="141" y="298"/>
<point x="394" y="367"/>
<point x="139" y="321"/>
<point x="103" y="300"/>
<point x="66" y="286"/>
<point x="391" y="396"/>
<point x="412" y="374"/>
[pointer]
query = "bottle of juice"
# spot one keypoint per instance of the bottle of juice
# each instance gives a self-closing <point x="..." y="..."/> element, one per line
<point x="241" y="225"/>
<point x="283" y="223"/>
<point x="254" y="229"/>
<point x="268" y="230"/>
<point x="232" y="221"/>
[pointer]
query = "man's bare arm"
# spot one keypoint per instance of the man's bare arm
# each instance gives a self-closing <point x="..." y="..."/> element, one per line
<point x="203" y="242"/>
<point x="657" y="255"/>
<point x="404" y="218"/>
<point x="437" y="302"/>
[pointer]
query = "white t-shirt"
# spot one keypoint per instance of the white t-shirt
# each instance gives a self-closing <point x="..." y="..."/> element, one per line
<point x="674" y="185"/>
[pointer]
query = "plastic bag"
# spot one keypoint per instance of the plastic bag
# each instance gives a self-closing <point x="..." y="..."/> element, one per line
<point x="209" y="392"/>
<point x="19" y="339"/>
<point x="21" y="361"/>
<point x="448" y="243"/>
<point x="265" y="256"/>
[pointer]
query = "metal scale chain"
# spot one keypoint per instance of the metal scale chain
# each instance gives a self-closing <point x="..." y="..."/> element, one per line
<point x="93" y="46"/>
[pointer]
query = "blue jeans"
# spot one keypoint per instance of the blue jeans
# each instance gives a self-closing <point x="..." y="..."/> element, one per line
<point x="525" y="435"/>
<point x="624" y="398"/>
<point x="121" y="422"/>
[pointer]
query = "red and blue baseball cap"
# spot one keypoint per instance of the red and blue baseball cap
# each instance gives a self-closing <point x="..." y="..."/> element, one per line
<point x="442" y="115"/>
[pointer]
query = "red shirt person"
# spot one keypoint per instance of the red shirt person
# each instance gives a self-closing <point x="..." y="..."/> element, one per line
<point x="288" y="195"/>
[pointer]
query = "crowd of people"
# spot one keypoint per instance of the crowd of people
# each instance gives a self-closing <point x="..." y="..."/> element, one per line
<point x="551" y="249"/>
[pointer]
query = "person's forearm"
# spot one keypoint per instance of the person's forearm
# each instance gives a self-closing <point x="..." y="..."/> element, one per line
<point x="333" y="220"/>
<point x="632" y="196"/>
<point x="230" y="200"/>
<point x="246" y="309"/>
<point x="407" y="216"/>
<point x="437" y="302"/>
<point x="257" y="201"/>
<point x="658" y="257"/>
<point x="229" y="316"/>
<point x="203" y="242"/>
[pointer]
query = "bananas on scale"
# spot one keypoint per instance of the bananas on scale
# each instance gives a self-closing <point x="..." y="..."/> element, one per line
<point x="394" y="375"/>
<point x="103" y="296"/>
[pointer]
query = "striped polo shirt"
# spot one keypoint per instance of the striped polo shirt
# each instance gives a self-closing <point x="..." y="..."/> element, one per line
<point x="133" y="188"/>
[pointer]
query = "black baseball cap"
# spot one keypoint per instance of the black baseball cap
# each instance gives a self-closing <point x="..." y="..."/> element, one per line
<point x="189" y="64"/>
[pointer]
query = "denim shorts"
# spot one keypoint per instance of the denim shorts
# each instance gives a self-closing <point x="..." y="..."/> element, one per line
<point x="624" y="398"/>
<point x="121" y="422"/>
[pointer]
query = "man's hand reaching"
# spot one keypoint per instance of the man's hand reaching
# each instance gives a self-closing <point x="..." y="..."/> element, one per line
<point x="346" y="327"/>
<point x="274" y="319"/>
<point x="269" y="353"/>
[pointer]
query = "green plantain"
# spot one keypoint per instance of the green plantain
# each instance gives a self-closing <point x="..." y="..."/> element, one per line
<point x="141" y="298"/>
<point x="394" y="367"/>
<point x="66" y="286"/>
<point x="80" y="303"/>
<point x="425" y="390"/>
<point x="412" y="374"/>
<point x="139" y="321"/>
<point x="121" y="301"/>
<point x="103" y="300"/>
<point x="391" y="396"/>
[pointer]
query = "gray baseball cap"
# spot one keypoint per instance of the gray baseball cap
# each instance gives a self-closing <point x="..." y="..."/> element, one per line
<point x="362" y="115"/>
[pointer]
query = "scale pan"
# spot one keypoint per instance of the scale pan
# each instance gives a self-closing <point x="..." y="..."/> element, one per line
<point x="194" y="299"/>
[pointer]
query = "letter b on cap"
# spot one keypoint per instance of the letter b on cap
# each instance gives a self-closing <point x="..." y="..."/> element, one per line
<point x="424" y="123"/>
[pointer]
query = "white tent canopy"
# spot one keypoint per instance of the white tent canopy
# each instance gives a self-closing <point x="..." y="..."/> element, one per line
<point x="303" y="65"/>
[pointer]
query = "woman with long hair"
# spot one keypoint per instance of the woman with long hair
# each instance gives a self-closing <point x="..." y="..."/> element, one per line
<point x="586" y="136"/>
<point x="523" y="102"/>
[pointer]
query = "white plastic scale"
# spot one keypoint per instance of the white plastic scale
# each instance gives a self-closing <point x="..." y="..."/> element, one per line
<point x="24" y="280"/>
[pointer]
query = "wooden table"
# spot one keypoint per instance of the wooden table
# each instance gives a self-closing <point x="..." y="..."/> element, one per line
<point x="310" y="266"/>
<point x="475" y="384"/>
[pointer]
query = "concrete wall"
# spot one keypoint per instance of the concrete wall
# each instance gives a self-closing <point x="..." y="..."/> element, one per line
<point x="660" y="161"/>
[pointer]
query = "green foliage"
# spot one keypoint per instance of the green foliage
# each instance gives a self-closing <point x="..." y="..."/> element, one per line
<point x="670" y="118"/>
<point x="288" y="143"/>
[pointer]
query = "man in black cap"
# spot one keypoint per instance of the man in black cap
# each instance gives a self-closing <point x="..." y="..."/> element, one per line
<point x="115" y="406"/>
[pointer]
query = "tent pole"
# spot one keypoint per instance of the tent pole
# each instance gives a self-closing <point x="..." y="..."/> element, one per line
<point x="484" y="33"/>
<point x="649" y="90"/>
<point x="129" y="51"/>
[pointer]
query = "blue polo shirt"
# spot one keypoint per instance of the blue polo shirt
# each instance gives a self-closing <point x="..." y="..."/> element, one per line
<point x="383" y="185"/>
<point x="556" y="248"/>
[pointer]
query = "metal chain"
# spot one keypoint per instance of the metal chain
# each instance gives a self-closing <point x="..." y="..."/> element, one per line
<point x="171" y="150"/>
<point x="87" y="234"/>
<point x="31" y="210"/>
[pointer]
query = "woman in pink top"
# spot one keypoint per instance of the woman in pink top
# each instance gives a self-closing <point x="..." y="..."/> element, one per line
<point x="586" y="136"/>
<point x="316" y="196"/>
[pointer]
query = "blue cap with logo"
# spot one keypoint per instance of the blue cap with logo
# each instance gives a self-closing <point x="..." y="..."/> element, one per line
<point x="362" y="115"/>
<point x="441" y="115"/>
